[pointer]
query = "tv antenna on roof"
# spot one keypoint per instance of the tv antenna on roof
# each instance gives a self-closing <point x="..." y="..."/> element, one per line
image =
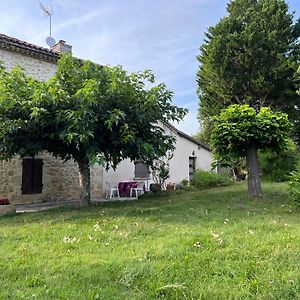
<point x="48" y="12"/>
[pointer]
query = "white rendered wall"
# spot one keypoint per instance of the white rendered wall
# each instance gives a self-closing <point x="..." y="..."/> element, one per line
<point x="124" y="172"/>
<point x="179" y="164"/>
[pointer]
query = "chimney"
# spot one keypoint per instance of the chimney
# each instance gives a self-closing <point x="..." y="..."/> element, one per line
<point x="61" y="47"/>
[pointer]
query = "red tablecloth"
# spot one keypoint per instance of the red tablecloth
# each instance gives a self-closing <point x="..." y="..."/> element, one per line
<point x="125" y="186"/>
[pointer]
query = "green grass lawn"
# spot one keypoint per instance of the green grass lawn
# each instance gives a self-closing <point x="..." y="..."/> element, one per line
<point x="216" y="244"/>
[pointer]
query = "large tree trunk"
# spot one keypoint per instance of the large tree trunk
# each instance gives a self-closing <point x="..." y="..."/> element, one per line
<point x="254" y="188"/>
<point x="84" y="180"/>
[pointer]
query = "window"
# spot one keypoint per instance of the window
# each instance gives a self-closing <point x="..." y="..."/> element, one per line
<point x="192" y="167"/>
<point x="32" y="176"/>
<point x="141" y="170"/>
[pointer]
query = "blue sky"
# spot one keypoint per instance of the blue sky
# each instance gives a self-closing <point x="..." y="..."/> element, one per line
<point x="161" y="35"/>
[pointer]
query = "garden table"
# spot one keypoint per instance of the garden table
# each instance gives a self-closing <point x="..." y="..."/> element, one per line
<point x="125" y="186"/>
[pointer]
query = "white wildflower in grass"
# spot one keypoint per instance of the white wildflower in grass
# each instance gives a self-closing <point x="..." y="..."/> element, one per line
<point x="226" y="221"/>
<point x="97" y="227"/>
<point x="197" y="245"/>
<point x="106" y="244"/>
<point x="221" y="241"/>
<point x="90" y="237"/>
<point x="116" y="227"/>
<point x="217" y="237"/>
<point x="67" y="239"/>
<point x="251" y="232"/>
<point x="214" y="235"/>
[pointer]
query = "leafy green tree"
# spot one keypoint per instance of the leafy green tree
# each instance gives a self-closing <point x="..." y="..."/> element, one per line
<point x="204" y="135"/>
<point x="88" y="113"/>
<point x="294" y="113"/>
<point x="250" y="57"/>
<point x="239" y="131"/>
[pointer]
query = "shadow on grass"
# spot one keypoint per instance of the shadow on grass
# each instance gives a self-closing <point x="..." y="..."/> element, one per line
<point x="175" y="207"/>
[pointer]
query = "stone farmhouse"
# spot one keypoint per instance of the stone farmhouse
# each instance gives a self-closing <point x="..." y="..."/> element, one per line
<point x="46" y="178"/>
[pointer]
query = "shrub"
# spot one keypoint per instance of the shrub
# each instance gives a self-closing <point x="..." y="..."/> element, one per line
<point x="204" y="180"/>
<point x="155" y="187"/>
<point x="171" y="186"/>
<point x="179" y="186"/>
<point x="294" y="185"/>
<point x="185" y="182"/>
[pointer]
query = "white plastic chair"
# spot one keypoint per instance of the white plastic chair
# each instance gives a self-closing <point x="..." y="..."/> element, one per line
<point x="138" y="190"/>
<point x="111" y="191"/>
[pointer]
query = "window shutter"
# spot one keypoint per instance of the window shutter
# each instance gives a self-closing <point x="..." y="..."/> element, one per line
<point x="37" y="176"/>
<point x="32" y="176"/>
<point x="141" y="170"/>
<point x="26" y="175"/>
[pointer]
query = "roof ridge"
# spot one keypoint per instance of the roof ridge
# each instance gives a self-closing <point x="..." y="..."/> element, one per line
<point x="11" y="43"/>
<point x="187" y="136"/>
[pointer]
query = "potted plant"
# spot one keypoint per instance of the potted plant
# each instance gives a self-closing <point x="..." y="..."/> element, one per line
<point x="171" y="186"/>
<point x="5" y="207"/>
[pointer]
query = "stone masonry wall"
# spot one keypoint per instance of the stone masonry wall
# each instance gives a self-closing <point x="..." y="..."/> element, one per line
<point x="10" y="178"/>
<point x="97" y="189"/>
<point x="37" y="68"/>
<point x="60" y="179"/>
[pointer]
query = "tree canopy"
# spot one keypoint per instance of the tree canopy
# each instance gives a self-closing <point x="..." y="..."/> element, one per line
<point x="250" y="57"/>
<point x="86" y="112"/>
<point x="239" y="131"/>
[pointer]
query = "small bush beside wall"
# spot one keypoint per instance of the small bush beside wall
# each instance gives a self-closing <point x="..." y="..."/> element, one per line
<point x="204" y="180"/>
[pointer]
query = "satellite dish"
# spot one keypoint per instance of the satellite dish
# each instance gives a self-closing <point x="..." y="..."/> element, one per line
<point x="50" y="41"/>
